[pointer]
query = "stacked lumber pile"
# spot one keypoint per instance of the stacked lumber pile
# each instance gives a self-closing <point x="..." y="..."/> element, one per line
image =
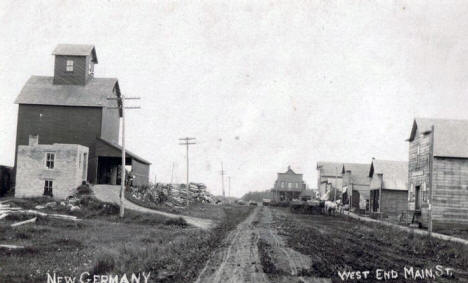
<point x="197" y="193"/>
<point x="173" y="195"/>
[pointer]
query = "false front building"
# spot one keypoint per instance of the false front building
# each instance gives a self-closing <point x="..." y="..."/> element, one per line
<point x="288" y="186"/>
<point x="330" y="177"/>
<point x="72" y="107"/>
<point x="438" y="172"/>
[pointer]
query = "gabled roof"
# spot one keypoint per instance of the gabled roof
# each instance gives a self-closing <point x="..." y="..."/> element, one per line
<point x="450" y="136"/>
<point x="359" y="172"/>
<point x="329" y="168"/>
<point x="290" y="172"/>
<point x="76" y="50"/>
<point x="41" y="90"/>
<point x="394" y="173"/>
<point x="127" y="152"/>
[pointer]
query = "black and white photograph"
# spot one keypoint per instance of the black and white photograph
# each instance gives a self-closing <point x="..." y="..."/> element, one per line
<point x="233" y="141"/>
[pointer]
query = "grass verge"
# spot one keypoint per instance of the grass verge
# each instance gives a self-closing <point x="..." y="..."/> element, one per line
<point x="102" y="243"/>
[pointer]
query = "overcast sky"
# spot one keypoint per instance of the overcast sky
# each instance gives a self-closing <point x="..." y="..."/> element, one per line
<point x="260" y="84"/>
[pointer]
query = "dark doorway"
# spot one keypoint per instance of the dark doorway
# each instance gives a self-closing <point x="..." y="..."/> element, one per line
<point x="109" y="170"/>
<point x="375" y="201"/>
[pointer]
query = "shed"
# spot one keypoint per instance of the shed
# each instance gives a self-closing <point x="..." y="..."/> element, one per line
<point x="388" y="188"/>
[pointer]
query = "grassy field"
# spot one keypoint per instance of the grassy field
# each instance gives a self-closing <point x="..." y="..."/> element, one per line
<point x="102" y="243"/>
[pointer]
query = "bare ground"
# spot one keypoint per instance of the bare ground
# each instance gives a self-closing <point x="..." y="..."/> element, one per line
<point x="254" y="252"/>
<point x="338" y="243"/>
<point x="275" y="245"/>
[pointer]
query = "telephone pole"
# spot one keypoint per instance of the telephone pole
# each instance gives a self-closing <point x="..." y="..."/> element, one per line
<point x="187" y="142"/>
<point x="431" y="176"/>
<point x="229" y="186"/>
<point x="172" y="173"/>
<point x="222" y="179"/>
<point x="120" y="105"/>
<point x="336" y="182"/>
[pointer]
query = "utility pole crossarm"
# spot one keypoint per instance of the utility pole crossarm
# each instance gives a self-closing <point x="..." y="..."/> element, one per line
<point x="120" y="105"/>
<point x="187" y="142"/>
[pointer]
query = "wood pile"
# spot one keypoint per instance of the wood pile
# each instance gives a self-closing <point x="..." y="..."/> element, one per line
<point x="173" y="195"/>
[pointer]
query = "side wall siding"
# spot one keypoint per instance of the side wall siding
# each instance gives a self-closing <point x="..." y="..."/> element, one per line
<point x="79" y="74"/>
<point x="394" y="202"/>
<point x="110" y="125"/>
<point x="60" y="124"/>
<point x="450" y="196"/>
<point x="141" y="172"/>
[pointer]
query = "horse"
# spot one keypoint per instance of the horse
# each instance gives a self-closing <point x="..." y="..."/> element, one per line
<point x="330" y="207"/>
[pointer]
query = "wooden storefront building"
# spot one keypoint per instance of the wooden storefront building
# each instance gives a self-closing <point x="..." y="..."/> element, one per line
<point x="438" y="172"/>
<point x="288" y="186"/>
<point x="388" y="188"/>
<point x="356" y="182"/>
<point x="329" y="177"/>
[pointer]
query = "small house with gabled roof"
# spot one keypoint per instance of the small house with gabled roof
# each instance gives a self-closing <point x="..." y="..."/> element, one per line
<point x="438" y="172"/>
<point x="356" y="182"/>
<point x="388" y="188"/>
<point x="72" y="107"/>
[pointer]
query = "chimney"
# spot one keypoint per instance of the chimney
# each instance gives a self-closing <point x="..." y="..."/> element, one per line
<point x="33" y="140"/>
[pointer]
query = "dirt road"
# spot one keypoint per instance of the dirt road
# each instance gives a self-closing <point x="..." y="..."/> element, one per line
<point x="109" y="193"/>
<point x="254" y="252"/>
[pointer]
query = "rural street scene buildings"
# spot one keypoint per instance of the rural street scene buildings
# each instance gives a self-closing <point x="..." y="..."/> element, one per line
<point x="233" y="141"/>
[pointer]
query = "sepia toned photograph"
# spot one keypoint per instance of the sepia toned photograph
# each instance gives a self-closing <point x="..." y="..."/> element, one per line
<point x="233" y="141"/>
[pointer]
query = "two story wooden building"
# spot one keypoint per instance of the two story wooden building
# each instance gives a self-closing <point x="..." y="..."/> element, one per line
<point x="288" y="186"/>
<point x="438" y="172"/>
<point x="72" y="107"/>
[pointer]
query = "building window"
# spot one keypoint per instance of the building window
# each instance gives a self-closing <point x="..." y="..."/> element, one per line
<point x="282" y="184"/>
<point x="424" y="192"/>
<point x="48" y="184"/>
<point x="50" y="160"/>
<point x="69" y="66"/>
<point x="289" y="185"/>
<point x="411" y="193"/>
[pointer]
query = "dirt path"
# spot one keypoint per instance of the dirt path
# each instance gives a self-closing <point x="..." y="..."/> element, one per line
<point x="110" y="193"/>
<point x="254" y="252"/>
